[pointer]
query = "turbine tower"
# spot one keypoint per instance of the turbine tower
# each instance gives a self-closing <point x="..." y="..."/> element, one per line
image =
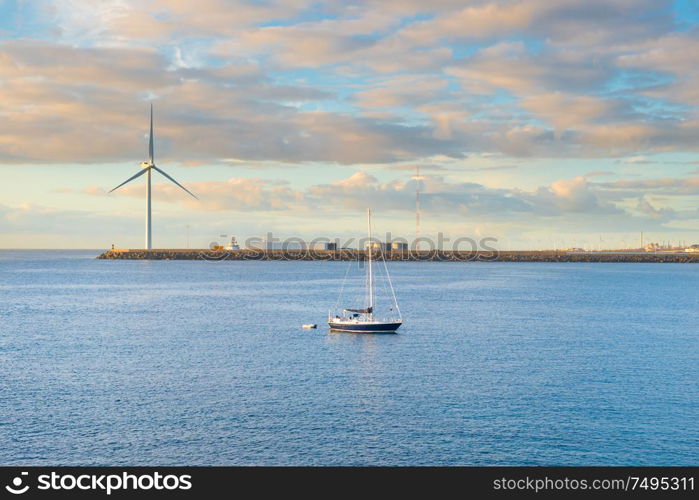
<point x="146" y="168"/>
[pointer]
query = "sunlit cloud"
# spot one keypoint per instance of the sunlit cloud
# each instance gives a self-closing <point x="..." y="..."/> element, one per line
<point x="512" y="108"/>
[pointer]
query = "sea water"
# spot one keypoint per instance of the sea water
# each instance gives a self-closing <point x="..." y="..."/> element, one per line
<point x="202" y="363"/>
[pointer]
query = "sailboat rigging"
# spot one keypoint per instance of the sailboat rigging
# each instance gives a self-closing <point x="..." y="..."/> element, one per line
<point x="365" y="319"/>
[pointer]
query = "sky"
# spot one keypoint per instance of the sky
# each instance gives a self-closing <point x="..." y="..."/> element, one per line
<point x="543" y="124"/>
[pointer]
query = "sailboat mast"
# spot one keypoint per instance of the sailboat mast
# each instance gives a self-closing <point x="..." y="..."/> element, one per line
<point x="371" y="276"/>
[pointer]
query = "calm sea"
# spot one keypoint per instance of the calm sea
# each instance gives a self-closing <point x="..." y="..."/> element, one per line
<point x="184" y="363"/>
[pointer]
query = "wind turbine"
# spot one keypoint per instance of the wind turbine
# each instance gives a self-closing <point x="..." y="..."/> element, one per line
<point x="146" y="168"/>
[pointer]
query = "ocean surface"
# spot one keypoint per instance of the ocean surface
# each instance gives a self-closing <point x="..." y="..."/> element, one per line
<point x="205" y="363"/>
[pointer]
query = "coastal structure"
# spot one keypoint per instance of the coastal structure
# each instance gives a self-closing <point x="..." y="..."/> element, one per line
<point x="345" y="254"/>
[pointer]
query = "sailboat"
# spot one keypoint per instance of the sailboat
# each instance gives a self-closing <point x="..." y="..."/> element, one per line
<point x="366" y="319"/>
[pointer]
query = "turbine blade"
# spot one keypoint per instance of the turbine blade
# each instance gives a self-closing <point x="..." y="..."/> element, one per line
<point x="173" y="180"/>
<point x="150" y="142"/>
<point x="143" y="171"/>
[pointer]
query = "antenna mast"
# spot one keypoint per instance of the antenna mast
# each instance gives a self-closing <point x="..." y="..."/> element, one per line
<point x="371" y="277"/>
<point x="417" y="208"/>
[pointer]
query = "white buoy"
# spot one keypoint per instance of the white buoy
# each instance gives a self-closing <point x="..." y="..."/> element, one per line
<point x="310" y="325"/>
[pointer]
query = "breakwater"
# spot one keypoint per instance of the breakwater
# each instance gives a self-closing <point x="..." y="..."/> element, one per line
<point x="406" y="255"/>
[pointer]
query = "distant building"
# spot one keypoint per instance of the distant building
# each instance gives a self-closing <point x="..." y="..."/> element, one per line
<point x="692" y="248"/>
<point x="233" y="245"/>
<point x="321" y="245"/>
<point x="276" y="245"/>
<point x="392" y="245"/>
<point x="376" y="245"/>
<point x="292" y="244"/>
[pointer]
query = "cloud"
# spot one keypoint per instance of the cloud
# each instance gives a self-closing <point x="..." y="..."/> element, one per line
<point x="646" y="208"/>
<point x="201" y="115"/>
<point x="635" y="160"/>
<point x="403" y="90"/>
<point x="360" y="190"/>
<point x="575" y="195"/>
<point x="512" y="66"/>
<point x="346" y="82"/>
<point x="121" y="21"/>
<point x="460" y="87"/>
<point x="28" y="223"/>
<point x="234" y="194"/>
<point x="153" y="20"/>
<point x="592" y="21"/>
<point x="574" y="112"/>
<point x="675" y="55"/>
<point x="668" y="185"/>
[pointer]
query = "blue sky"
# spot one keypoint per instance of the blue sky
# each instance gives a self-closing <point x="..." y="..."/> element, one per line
<point x="539" y="123"/>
